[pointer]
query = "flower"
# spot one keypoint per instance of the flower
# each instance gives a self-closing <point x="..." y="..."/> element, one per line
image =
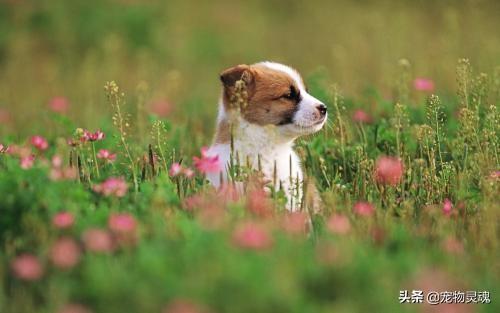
<point x="39" y="142"/>
<point x="207" y="164"/>
<point x="113" y="186"/>
<point x="59" y="104"/>
<point x="363" y="208"/>
<point x="19" y="151"/>
<point x="423" y="84"/>
<point x="104" y="154"/>
<point x="195" y="201"/>
<point x="27" y="267"/>
<point x="122" y="223"/>
<point x="65" y="253"/>
<point x="27" y="162"/>
<point x="447" y="207"/>
<point x="228" y="193"/>
<point x="338" y="224"/>
<point x="68" y="173"/>
<point x="258" y="203"/>
<point x="361" y="116"/>
<point x="175" y="169"/>
<point x="123" y="226"/>
<point x="97" y="240"/>
<point x="3" y="148"/>
<point x="96" y="136"/>
<point x="189" y="173"/>
<point x="182" y="306"/>
<point x="57" y="161"/>
<point x="58" y="172"/>
<point x="295" y="223"/>
<point x="161" y="108"/>
<point x="73" y="142"/>
<point x="63" y="220"/>
<point x="388" y="170"/>
<point x="209" y="208"/>
<point x="251" y="236"/>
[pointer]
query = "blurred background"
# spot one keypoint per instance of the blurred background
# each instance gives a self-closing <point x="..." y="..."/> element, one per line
<point x="167" y="54"/>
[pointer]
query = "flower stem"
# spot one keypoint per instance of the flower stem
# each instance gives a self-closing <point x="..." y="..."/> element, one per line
<point x="95" y="161"/>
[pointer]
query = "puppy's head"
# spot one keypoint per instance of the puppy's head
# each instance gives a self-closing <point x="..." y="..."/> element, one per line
<point x="276" y="96"/>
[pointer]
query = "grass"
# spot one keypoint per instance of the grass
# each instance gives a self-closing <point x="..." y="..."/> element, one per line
<point x="134" y="234"/>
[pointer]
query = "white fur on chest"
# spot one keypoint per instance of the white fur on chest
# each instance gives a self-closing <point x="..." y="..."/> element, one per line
<point x="278" y="161"/>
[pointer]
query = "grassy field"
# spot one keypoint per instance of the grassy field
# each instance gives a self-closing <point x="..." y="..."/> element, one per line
<point x="104" y="104"/>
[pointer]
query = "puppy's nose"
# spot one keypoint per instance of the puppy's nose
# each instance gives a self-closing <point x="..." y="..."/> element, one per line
<point x="322" y="109"/>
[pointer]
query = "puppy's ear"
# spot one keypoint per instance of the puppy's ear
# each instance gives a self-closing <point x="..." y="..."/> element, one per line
<point x="239" y="72"/>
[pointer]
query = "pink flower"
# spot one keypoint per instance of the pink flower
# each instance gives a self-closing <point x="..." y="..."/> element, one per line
<point x="123" y="226"/>
<point x="40" y="143"/>
<point x="295" y="223"/>
<point x="59" y="104"/>
<point x="65" y="253"/>
<point x="423" y="84"/>
<point x="447" y="207"/>
<point x="88" y="136"/>
<point x="493" y="175"/>
<point x="189" y="173"/>
<point x="207" y="164"/>
<point x="193" y="202"/>
<point x="252" y="236"/>
<point x="104" y="154"/>
<point x="3" y="148"/>
<point x="258" y="203"/>
<point x="361" y="116"/>
<point x="27" y="267"/>
<point x="68" y="173"/>
<point x="208" y="207"/>
<point x="57" y="172"/>
<point x="227" y="193"/>
<point x="63" y="220"/>
<point x="161" y="108"/>
<point x="388" y="170"/>
<point x="182" y="306"/>
<point x="74" y="308"/>
<point x="74" y="142"/>
<point x="27" y="162"/>
<point x="339" y="224"/>
<point x="98" y="240"/>
<point x="364" y="208"/>
<point x="18" y="151"/>
<point x="113" y="186"/>
<point x="122" y="223"/>
<point x="175" y="169"/>
<point x="57" y="161"/>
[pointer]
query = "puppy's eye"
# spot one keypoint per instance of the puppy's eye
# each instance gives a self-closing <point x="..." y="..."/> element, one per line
<point x="292" y="94"/>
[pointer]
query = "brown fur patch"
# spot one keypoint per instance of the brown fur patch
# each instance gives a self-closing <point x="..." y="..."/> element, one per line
<point x="266" y="104"/>
<point x="223" y="132"/>
<point x="265" y="88"/>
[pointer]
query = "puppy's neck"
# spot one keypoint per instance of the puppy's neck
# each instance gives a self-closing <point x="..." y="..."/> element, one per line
<point x="249" y="138"/>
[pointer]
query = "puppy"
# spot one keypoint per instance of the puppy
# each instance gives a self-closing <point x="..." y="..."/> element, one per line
<point x="278" y="109"/>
